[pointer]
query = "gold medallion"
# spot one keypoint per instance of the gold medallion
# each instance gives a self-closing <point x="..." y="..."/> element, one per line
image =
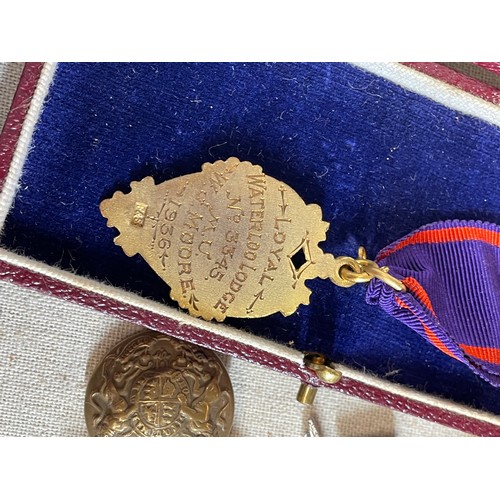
<point x="231" y="241"/>
<point x="156" y="386"/>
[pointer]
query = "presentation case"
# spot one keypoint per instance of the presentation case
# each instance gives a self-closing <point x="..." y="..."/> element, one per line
<point x="382" y="148"/>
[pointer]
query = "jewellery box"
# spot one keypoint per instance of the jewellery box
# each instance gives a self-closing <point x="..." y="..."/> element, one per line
<point x="382" y="148"/>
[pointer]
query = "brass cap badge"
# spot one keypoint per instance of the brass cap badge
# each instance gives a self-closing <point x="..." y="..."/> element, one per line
<point x="154" y="385"/>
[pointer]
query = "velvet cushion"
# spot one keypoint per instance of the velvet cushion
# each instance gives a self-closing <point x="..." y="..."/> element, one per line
<point x="380" y="161"/>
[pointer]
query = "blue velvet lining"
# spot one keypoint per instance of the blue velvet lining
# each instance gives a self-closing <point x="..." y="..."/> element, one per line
<point x="381" y="161"/>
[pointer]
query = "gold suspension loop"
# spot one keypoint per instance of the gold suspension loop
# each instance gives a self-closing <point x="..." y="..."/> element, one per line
<point x="348" y="271"/>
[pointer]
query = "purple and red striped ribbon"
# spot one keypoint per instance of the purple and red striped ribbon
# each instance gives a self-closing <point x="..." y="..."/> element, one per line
<point x="452" y="273"/>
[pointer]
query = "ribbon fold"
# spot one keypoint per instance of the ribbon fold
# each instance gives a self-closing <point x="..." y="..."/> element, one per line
<point x="452" y="273"/>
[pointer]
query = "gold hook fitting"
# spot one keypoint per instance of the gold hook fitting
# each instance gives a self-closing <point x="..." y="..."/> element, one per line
<point x="349" y="271"/>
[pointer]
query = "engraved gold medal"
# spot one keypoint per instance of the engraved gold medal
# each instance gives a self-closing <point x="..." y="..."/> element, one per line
<point x="155" y="386"/>
<point x="230" y="240"/>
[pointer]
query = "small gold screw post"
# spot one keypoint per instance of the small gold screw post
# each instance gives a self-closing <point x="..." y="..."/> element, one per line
<point x="306" y="394"/>
<point x="325" y="372"/>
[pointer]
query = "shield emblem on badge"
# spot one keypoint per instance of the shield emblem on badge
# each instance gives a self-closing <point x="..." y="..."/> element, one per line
<point x="159" y="406"/>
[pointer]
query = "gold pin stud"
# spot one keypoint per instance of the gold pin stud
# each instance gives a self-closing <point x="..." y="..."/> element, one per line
<point x="324" y="371"/>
